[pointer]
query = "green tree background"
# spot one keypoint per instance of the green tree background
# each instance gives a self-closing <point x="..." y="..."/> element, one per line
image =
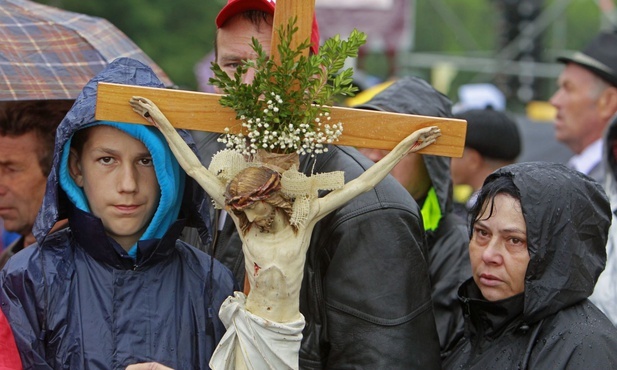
<point x="177" y="34"/>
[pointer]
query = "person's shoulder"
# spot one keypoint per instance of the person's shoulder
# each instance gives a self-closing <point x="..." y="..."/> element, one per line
<point x="579" y="324"/>
<point x="584" y="312"/>
<point x="53" y="251"/>
<point x="579" y="336"/>
<point x="195" y="255"/>
<point x="201" y="263"/>
<point x="388" y="194"/>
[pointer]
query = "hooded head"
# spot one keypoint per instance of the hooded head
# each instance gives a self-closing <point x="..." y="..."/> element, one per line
<point x="62" y="189"/>
<point x="163" y="194"/>
<point x="412" y="95"/>
<point x="567" y="216"/>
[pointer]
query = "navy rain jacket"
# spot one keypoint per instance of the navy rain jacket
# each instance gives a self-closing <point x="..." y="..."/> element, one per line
<point x="75" y="302"/>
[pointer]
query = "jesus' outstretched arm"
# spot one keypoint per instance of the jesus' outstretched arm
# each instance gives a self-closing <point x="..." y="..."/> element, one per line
<point x="416" y="141"/>
<point x="185" y="156"/>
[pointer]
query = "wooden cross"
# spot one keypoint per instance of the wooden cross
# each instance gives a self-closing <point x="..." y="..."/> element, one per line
<point x="202" y="111"/>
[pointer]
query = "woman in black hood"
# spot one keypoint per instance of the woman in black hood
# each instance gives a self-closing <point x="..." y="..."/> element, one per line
<point x="538" y="236"/>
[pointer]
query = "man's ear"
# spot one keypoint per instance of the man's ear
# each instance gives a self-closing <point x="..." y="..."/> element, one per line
<point x="474" y="159"/>
<point x="608" y="103"/>
<point x="75" y="168"/>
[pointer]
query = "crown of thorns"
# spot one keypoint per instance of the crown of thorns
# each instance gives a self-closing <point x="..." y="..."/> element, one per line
<point x="226" y="164"/>
<point x="241" y="201"/>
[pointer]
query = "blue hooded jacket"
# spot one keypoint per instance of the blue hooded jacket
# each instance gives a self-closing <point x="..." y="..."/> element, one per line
<point x="77" y="300"/>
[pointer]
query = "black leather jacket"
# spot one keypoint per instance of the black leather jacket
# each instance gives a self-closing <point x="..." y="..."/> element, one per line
<point x="366" y="294"/>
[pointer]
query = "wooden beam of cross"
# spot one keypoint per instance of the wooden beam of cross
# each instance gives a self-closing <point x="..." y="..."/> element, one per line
<point x="202" y="111"/>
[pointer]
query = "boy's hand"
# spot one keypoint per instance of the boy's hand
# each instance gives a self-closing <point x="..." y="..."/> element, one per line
<point x="148" y="366"/>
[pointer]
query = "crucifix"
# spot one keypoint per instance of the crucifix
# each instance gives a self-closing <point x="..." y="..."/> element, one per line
<point x="274" y="242"/>
<point x="202" y="111"/>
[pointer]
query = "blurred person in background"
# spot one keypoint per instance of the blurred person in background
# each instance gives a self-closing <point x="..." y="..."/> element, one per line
<point x="427" y="179"/>
<point x="27" y="133"/>
<point x="492" y="141"/>
<point x="585" y="100"/>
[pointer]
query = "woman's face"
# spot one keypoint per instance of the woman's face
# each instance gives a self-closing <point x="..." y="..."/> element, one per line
<point x="498" y="249"/>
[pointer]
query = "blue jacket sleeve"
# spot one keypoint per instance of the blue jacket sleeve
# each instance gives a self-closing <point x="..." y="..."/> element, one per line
<point x="21" y="283"/>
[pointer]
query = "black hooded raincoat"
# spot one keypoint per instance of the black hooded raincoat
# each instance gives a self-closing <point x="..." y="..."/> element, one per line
<point x="552" y="324"/>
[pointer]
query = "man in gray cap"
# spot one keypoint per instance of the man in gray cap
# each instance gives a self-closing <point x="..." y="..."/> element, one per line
<point x="492" y="141"/>
<point x="586" y="100"/>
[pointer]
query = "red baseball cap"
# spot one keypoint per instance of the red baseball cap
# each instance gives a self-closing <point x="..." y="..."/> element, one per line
<point x="235" y="7"/>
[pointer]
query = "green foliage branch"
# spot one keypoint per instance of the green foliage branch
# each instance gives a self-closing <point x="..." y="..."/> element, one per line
<point x="285" y="108"/>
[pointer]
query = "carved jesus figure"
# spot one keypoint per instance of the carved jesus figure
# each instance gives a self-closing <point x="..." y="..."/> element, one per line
<point x="274" y="248"/>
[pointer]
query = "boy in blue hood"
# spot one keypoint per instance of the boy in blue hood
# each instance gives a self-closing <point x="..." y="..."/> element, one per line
<point x="116" y="287"/>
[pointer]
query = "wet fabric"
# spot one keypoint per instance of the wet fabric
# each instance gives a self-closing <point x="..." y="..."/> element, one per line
<point x="265" y="344"/>
<point x="552" y="324"/>
<point x="77" y="300"/>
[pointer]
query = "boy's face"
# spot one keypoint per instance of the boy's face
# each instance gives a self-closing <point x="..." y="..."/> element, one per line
<point x="117" y="175"/>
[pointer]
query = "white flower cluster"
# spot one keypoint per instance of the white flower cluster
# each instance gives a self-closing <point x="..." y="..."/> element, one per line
<point x="269" y="132"/>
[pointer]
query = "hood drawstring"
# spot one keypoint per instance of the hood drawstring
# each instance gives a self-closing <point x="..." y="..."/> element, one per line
<point x="43" y="334"/>
<point x="530" y="344"/>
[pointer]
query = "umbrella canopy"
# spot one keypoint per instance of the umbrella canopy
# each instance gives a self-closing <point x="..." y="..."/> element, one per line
<point x="48" y="53"/>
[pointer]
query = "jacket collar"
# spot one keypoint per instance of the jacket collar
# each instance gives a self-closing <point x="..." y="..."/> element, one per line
<point x="89" y="233"/>
<point x="489" y="319"/>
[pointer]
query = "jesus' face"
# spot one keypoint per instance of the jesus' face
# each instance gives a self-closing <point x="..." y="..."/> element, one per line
<point x="261" y="214"/>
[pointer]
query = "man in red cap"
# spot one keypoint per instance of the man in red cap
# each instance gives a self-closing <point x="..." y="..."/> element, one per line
<point x="586" y="100"/>
<point x="366" y="294"/>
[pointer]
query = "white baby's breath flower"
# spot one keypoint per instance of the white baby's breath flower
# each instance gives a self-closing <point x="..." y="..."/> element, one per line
<point x="289" y="121"/>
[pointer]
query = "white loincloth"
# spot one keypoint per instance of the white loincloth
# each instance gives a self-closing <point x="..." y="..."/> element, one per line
<point x="264" y="344"/>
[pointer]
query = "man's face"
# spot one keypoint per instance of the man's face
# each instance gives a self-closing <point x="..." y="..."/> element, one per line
<point x="409" y="172"/>
<point x="458" y="169"/>
<point x="117" y="175"/>
<point x="234" y="44"/>
<point x="22" y="183"/>
<point x="578" y="122"/>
